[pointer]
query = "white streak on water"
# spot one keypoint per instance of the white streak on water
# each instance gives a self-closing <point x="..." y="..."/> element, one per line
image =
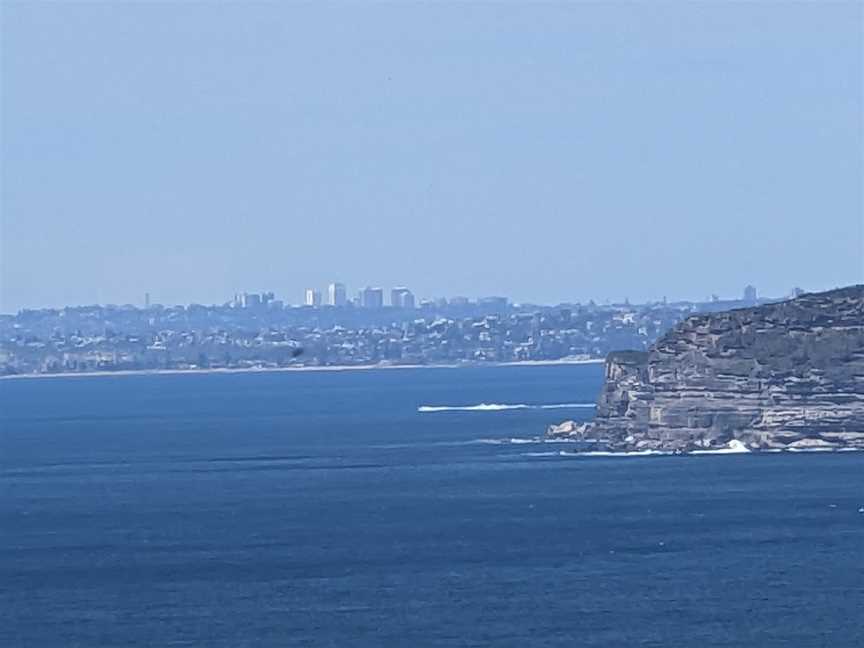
<point x="498" y="407"/>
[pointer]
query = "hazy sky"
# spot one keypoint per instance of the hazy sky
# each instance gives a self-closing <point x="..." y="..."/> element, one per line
<point x="549" y="152"/>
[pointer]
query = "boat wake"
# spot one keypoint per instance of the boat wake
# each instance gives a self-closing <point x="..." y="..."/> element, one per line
<point x="497" y="407"/>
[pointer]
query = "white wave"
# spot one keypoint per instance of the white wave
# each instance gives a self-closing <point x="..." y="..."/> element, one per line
<point x="497" y="407"/>
<point x="482" y="407"/>
<point x="605" y="453"/>
<point x="815" y="449"/>
<point x="776" y="450"/>
<point x="541" y="454"/>
<point x="510" y="441"/>
<point x="565" y="406"/>
<point x="733" y="447"/>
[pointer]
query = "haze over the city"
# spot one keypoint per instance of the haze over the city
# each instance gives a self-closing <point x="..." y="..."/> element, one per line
<point x="193" y="151"/>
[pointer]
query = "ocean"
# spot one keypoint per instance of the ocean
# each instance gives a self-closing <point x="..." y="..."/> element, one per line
<point x="415" y="507"/>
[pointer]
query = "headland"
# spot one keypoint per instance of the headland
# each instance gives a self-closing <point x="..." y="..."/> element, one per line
<point x="781" y="376"/>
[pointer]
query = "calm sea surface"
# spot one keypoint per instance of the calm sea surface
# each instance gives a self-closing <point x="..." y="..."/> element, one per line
<point x="324" y="509"/>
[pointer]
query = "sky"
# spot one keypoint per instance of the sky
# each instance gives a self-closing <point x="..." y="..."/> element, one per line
<point x="548" y="152"/>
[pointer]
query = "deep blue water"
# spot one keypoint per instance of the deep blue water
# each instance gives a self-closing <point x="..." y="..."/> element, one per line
<point x="324" y="509"/>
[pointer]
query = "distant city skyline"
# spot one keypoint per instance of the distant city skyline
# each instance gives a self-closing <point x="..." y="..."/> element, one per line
<point x="621" y="150"/>
<point x="259" y="330"/>
<point x="404" y="298"/>
<point x="323" y="294"/>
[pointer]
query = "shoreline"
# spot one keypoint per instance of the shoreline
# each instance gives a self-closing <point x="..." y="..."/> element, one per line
<point x="336" y="368"/>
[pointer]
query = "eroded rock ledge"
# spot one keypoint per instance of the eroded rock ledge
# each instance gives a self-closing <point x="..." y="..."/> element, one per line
<point x="788" y="375"/>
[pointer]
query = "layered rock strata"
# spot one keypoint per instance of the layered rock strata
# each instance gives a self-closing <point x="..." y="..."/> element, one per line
<point x="788" y="375"/>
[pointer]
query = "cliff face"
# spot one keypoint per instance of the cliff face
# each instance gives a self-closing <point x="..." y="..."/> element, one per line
<point x="788" y="375"/>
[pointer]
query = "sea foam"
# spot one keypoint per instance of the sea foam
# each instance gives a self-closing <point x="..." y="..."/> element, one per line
<point x="606" y="453"/>
<point x="498" y="407"/>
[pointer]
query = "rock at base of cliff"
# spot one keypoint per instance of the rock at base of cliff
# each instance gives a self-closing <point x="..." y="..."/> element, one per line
<point x="566" y="429"/>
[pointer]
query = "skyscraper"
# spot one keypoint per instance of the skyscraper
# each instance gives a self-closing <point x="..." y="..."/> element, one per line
<point x="313" y="297"/>
<point x="401" y="298"/>
<point x="250" y="300"/>
<point x="336" y="294"/>
<point x="750" y="294"/>
<point x="372" y="298"/>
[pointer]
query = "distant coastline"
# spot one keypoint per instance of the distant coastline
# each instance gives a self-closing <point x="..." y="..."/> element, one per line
<point x="242" y="370"/>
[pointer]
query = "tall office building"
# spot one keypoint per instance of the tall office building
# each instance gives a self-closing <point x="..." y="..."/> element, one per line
<point x="401" y="298"/>
<point x="250" y="300"/>
<point x="313" y="297"/>
<point x="372" y="298"/>
<point x="750" y="294"/>
<point x="336" y="294"/>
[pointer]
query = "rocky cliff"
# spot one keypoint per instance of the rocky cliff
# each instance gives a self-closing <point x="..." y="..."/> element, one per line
<point x="787" y="375"/>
